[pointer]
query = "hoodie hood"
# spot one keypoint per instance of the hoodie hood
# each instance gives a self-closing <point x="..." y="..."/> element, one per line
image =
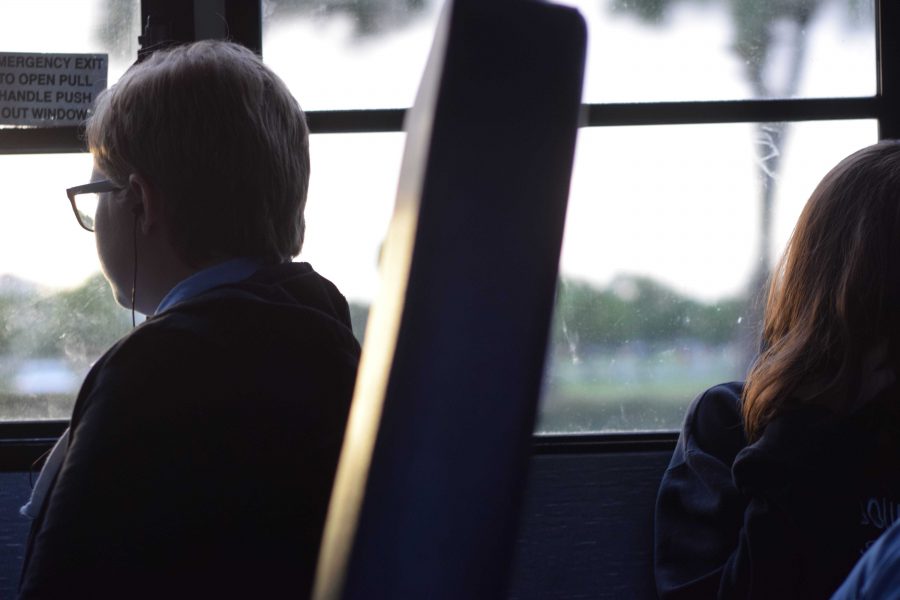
<point x="288" y="284"/>
<point x="277" y="301"/>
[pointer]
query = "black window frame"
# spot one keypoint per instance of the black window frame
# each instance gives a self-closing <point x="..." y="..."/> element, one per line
<point x="22" y="442"/>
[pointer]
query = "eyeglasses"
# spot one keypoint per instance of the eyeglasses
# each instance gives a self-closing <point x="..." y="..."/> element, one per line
<point x="86" y="198"/>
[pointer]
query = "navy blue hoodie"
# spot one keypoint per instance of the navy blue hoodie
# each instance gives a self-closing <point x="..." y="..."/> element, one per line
<point x="202" y="450"/>
<point x="784" y="517"/>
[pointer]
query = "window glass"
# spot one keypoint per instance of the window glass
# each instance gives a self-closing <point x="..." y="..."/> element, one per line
<point x="351" y="198"/>
<point x="669" y="50"/>
<point x="658" y="272"/>
<point x="57" y="313"/>
<point x="663" y="262"/>
<point x="349" y="54"/>
<point x="84" y="26"/>
<point x="364" y="54"/>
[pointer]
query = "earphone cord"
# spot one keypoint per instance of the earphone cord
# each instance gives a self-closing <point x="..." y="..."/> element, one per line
<point x="134" y="271"/>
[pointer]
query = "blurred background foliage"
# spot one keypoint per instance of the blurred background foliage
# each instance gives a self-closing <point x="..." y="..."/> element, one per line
<point x="79" y="324"/>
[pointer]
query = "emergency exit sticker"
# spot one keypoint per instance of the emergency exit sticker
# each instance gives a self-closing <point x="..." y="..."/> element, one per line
<point x="49" y="90"/>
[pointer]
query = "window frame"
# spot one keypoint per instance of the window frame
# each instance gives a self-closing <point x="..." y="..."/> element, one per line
<point x="22" y="442"/>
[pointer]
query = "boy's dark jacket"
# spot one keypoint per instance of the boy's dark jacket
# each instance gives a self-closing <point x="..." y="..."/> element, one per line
<point x="203" y="447"/>
<point x="784" y="517"/>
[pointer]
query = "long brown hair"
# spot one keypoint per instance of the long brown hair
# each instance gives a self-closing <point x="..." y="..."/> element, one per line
<point x="835" y="293"/>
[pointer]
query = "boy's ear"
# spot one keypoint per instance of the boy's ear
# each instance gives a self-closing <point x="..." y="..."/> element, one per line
<point x="147" y="202"/>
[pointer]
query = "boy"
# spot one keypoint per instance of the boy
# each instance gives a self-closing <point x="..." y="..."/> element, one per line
<point x="202" y="446"/>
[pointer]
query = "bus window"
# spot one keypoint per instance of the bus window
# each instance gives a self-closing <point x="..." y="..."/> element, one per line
<point x="662" y="264"/>
<point x="664" y="220"/>
<point x="351" y="197"/>
<point x="662" y="268"/>
<point x="683" y="50"/>
<point x="57" y="314"/>
<point x="81" y="26"/>
<point x="666" y="250"/>
<point x="356" y="55"/>
<point x="351" y="55"/>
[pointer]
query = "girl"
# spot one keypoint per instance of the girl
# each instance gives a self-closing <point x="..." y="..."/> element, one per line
<point x="779" y="484"/>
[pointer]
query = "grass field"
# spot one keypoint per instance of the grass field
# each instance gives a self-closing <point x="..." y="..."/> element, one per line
<point x="630" y="390"/>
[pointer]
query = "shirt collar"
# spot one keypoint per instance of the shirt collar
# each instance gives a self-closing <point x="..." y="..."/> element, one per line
<point x="230" y="271"/>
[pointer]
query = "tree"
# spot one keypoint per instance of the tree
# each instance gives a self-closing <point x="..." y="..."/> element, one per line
<point x="634" y="309"/>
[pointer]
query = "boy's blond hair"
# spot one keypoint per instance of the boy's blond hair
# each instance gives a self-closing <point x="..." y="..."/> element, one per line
<point x="223" y="141"/>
